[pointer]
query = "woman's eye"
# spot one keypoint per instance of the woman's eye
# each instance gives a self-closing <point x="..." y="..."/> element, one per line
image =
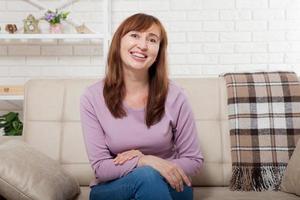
<point x="153" y="40"/>
<point x="134" y="35"/>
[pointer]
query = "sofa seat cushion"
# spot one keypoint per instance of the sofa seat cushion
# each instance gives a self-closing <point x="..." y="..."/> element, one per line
<point x="223" y="193"/>
<point x="291" y="179"/>
<point x="84" y="193"/>
<point x="219" y="193"/>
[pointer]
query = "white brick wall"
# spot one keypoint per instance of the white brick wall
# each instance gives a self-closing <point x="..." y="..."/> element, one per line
<point x="3" y="50"/>
<point x="206" y="37"/>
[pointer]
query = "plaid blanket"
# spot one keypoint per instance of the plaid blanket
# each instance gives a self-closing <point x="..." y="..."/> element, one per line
<point x="264" y="116"/>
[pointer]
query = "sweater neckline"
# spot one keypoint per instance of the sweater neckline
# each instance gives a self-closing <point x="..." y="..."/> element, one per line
<point x="133" y="109"/>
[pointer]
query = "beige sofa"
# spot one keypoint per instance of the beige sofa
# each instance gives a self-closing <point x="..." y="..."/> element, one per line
<point x="52" y="125"/>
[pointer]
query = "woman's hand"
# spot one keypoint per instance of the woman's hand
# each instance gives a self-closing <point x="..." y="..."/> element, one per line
<point x="126" y="155"/>
<point x="170" y="171"/>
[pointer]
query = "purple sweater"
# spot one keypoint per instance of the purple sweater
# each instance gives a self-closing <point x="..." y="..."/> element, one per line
<point x="174" y="138"/>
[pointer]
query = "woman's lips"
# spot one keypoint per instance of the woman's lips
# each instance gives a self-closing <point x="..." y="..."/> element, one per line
<point x="138" y="56"/>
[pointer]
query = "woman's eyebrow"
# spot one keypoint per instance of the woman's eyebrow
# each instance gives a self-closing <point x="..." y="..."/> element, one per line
<point x="153" y="34"/>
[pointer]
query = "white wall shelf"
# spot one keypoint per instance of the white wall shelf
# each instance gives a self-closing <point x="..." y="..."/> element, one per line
<point x="51" y="36"/>
<point x="15" y="101"/>
<point x="11" y="97"/>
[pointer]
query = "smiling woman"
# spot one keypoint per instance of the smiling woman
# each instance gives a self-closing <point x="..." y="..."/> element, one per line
<point x="138" y="52"/>
<point x="136" y="36"/>
<point x="138" y="127"/>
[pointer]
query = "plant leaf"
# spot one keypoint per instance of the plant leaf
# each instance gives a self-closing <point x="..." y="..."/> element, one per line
<point x="11" y="116"/>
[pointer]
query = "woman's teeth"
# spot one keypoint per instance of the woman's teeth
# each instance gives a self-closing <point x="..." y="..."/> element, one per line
<point x="139" y="55"/>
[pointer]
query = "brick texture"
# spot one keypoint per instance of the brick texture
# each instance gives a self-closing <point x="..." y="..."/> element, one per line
<point x="206" y="37"/>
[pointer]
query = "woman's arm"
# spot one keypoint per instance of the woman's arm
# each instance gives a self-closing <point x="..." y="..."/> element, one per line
<point x="98" y="152"/>
<point x="189" y="156"/>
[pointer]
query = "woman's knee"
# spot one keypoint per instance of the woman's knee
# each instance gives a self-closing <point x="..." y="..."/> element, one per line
<point x="93" y="194"/>
<point x="147" y="174"/>
<point x="187" y="193"/>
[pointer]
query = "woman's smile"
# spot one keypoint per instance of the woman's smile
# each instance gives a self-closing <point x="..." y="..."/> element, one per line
<point x="138" y="56"/>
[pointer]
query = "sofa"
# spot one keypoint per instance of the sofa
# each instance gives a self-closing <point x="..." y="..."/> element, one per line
<point x="52" y="126"/>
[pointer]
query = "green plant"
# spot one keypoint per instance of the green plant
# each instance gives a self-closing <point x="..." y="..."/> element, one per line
<point x="11" y="124"/>
<point x="55" y="17"/>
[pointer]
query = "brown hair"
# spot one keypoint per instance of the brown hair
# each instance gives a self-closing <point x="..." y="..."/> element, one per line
<point x="114" y="88"/>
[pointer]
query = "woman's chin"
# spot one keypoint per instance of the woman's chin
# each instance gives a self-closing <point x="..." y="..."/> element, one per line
<point x="139" y="68"/>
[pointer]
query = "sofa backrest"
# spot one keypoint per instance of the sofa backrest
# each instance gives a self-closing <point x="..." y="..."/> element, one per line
<point x="52" y="125"/>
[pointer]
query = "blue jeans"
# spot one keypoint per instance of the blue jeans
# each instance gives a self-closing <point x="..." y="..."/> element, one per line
<point x="143" y="183"/>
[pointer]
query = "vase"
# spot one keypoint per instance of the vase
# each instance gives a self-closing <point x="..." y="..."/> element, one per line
<point x="56" y="28"/>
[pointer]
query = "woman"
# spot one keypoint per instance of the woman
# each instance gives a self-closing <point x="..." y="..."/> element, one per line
<point x="138" y="127"/>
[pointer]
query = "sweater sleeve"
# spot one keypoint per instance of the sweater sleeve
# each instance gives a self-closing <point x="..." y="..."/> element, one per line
<point x="98" y="152"/>
<point x="189" y="156"/>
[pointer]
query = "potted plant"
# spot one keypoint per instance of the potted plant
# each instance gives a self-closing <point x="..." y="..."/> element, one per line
<point x="10" y="124"/>
<point x="54" y="19"/>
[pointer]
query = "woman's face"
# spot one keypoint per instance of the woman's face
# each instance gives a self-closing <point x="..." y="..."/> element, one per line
<point x="139" y="49"/>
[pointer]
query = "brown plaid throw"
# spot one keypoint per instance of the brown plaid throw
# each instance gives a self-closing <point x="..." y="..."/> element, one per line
<point x="264" y="116"/>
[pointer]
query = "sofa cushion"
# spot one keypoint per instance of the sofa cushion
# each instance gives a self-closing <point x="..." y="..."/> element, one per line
<point x="27" y="174"/>
<point x="223" y="193"/>
<point x="84" y="194"/>
<point x="291" y="179"/>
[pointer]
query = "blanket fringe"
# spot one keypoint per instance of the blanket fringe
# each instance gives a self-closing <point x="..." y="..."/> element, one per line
<point x="261" y="178"/>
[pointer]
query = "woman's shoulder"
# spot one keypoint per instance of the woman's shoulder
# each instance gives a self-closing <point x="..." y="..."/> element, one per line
<point x="175" y="88"/>
<point x="176" y="94"/>
<point x="94" y="89"/>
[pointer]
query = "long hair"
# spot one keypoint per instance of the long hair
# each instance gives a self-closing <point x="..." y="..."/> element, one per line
<point x="114" y="87"/>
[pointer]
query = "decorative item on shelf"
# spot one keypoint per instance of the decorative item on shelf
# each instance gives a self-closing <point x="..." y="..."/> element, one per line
<point x="12" y="90"/>
<point x="56" y="28"/>
<point x="54" y="19"/>
<point x="83" y="29"/>
<point x="31" y="25"/>
<point x="10" y="124"/>
<point x="11" y="28"/>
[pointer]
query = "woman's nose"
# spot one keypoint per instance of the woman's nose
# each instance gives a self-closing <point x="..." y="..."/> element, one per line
<point x="143" y="44"/>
